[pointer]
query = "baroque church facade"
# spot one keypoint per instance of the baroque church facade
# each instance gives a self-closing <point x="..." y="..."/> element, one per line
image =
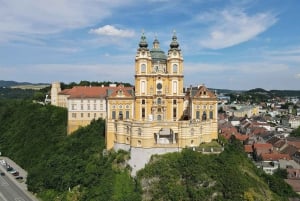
<point x="158" y="113"/>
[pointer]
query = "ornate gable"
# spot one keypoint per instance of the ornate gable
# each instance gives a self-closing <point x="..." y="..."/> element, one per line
<point x="121" y="92"/>
<point x="203" y="92"/>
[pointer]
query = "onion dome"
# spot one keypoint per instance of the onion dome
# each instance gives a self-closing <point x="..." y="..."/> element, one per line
<point x="174" y="44"/>
<point x="143" y="43"/>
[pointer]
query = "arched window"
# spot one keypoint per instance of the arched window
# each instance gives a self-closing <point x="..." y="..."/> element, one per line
<point x="175" y="68"/>
<point x="159" y="117"/>
<point x="143" y="68"/>
<point x="159" y="101"/>
<point x="120" y="115"/>
<point x="204" y="116"/>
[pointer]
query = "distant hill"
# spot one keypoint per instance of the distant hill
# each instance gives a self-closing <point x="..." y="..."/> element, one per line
<point x="4" y="83"/>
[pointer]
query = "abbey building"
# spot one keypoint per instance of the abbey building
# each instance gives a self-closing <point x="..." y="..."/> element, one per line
<point x="159" y="112"/>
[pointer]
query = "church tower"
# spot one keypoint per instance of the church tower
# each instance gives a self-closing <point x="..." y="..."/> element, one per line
<point x="55" y="89"/>
<point x="158" y="82"/>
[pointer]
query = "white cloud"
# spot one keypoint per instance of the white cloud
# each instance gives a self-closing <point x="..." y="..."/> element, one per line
<point x="109" y="30"/>
<point x="288" y="54"/>
<point x="232" y="27"/>
<point x="31" y="17"/>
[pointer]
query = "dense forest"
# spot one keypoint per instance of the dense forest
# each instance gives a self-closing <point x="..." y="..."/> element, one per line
<point x="9" y="93"/>
<point x="75" y="167"/>
<point x="35" y="137"/>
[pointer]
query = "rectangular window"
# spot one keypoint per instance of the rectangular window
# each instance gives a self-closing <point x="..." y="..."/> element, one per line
<point x="95" y="107"/>
<point x="143" y="68"/>
<point x="143" y="87"/>
<point x="73" y="106"/>
<point x="88" y="115"/>
<point x="81" y="115"/>
<point x="174" y="102"/>
<point x="81" y="106"/>
<point x="95" y="115"/>
<point x="211" y="115"/>
<point x="74" y="115"/>
<point x="143" y="112"/>
<point x="174" y="87"/>
<point x="101" y="106"/>
<point x="88" y="107"/>
<point x="127" y="114"/>
<point x="174" y="112"/>
<point x="113" y="115"/>
<point x="197" y="114"/>
<point x="143" y="102"/>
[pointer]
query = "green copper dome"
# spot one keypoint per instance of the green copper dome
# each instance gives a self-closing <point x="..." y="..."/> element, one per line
<point x="156" y="53"/>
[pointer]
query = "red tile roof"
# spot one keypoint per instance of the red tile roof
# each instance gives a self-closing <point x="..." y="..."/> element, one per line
<point x="91" y="91"/>
<point x="241" y="137"/>
<point x="85" y="92"/>
<point x="262" y="146"/>
<point x="294" y="143"/>
<point x="259" y="130"/>
<point x="121" y="91"/>
<point x="274" y="156"/>
<point x="204" y="92"/>
<point x="248" y="148"/>
<point x="294" y="183"/>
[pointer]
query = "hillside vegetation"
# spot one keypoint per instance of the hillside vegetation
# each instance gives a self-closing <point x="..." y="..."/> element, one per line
<point x="62" y="167"/>
<point x="74" y="168"/>
<point x="190" y="175"/>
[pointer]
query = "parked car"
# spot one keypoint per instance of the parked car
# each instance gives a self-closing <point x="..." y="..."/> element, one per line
<point x="2" y="174"/>
<point x="19" y="178"/>
<point x="9" y="168"/>
<point x="16" y="173"/>
<point x="3" y="162"/>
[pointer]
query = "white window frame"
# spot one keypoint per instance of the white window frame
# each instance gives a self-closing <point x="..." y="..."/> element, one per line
<point x="143" y="68"/>
<point x="175" y="86"/>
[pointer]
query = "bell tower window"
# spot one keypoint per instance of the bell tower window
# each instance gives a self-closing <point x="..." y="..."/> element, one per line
<point x="175" y="68"/>
<point x="143" y="86"/>
<point x="174" y="87"/>
<point x="143" y="68"/>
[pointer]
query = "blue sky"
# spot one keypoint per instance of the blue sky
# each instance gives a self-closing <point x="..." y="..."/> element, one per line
<point x="239" y="44"/>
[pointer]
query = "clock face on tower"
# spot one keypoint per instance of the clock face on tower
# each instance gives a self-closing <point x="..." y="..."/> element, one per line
<point x="159" y="86"/>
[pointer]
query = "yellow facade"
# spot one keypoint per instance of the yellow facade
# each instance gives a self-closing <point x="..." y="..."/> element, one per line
<point x="163" y="114"/>
<point x="157" y="113"/>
